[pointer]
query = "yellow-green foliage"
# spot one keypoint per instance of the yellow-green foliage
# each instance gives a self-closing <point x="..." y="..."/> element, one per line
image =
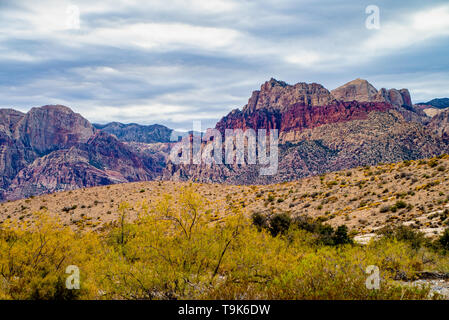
<point x="33" y="260"/>
<point x="176" y="250"/>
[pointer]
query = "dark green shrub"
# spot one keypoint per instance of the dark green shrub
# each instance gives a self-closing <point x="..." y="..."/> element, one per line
<point x="406" y="234"/>
<point x="401" y="204"/>
<point x="444" y="239"/>
<point x="341" y="235"/>
<point x="279" y="224"/>
<point x="259" y="220"/>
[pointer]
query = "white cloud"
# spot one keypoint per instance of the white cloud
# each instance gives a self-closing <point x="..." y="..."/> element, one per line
<point x="162" y="36"/>
<point x="411" y="30"/>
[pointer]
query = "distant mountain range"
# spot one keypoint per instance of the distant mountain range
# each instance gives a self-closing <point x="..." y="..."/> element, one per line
<point x="434" y="107"/>
<point x="442" y="103"/>
<point x="51" y="148"/>
<point x="134" y="132"/>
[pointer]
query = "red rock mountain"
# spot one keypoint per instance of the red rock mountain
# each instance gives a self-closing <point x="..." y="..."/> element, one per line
<point x="322" y="131"/>
<point x="300" y="106"/>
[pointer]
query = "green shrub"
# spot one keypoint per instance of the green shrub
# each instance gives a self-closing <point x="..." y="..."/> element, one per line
<point x="444" y="239"/>
<point x="259" y="220"/>
<point x="341" y="235"/>
<point x="404" y="233"/>
<point x="401" y="204"/>
<point x="279" y="224"/>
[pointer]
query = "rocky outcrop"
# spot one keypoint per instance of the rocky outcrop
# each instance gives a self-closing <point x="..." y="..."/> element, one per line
<point x="60" y="170"/>
<point x="398" y="98"/>
<point x="358" y="90"/>
<point x="362" y="91"/>
<point x="49" y="128"/>
<point x="277" y="95"/>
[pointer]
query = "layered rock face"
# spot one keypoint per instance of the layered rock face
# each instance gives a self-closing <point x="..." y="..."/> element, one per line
<point x="51" y="148"/>
<point x="52" y="127"/>
<point x="299" y="116"/>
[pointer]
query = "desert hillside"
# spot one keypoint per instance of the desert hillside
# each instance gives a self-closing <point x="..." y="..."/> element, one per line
<point x="414" y="193"/>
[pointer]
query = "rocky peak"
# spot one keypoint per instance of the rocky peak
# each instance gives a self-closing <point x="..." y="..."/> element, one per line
<point x="52" y="127"/>
<point x="9" y="118"/>
<point x="277" y="95"/>
<point x="358" y="89"/>
<point x="363" y="91"/>
<point x="396" y="97"/>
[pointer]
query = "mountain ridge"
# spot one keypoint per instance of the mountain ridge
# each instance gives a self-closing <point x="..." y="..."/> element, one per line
<point x="52" y="148"/>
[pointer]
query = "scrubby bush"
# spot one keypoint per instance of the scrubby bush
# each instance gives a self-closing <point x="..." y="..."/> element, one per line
<point x="404" y="233"/>
<point x="444" y="240"/>
<point x="279" y="224"/>
<point x="401" y="204"/>
<point x="259" y="220"/>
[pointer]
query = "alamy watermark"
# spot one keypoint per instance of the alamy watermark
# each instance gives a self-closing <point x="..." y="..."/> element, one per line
<point x="373" y="280"/>
<point x="372" y="22"/>
<point x="73" y="21"/>
<point x="73" y="280"/>
<point x="240" y="148"/>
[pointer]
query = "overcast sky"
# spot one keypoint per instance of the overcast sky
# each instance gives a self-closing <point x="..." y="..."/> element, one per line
<point x="174" y="61"/>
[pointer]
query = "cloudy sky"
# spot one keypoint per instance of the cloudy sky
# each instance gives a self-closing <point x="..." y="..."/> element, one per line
<point x="175" y="61"/>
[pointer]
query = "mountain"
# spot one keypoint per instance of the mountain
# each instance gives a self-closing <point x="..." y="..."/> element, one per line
<point x="433" y="107"/>
<point x="440" y="125"/>
<point x="322" y="131"/>
<point x="442" y="103"/>
<point x="137" y="133"/>
<point x="363" y="91"/>
<point x="51" y="148"/>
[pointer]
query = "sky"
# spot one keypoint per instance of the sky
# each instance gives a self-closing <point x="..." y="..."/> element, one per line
<point x="176" y="61"/>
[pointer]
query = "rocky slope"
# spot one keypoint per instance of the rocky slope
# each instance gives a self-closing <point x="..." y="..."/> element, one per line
<point x="364" y="198"/>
